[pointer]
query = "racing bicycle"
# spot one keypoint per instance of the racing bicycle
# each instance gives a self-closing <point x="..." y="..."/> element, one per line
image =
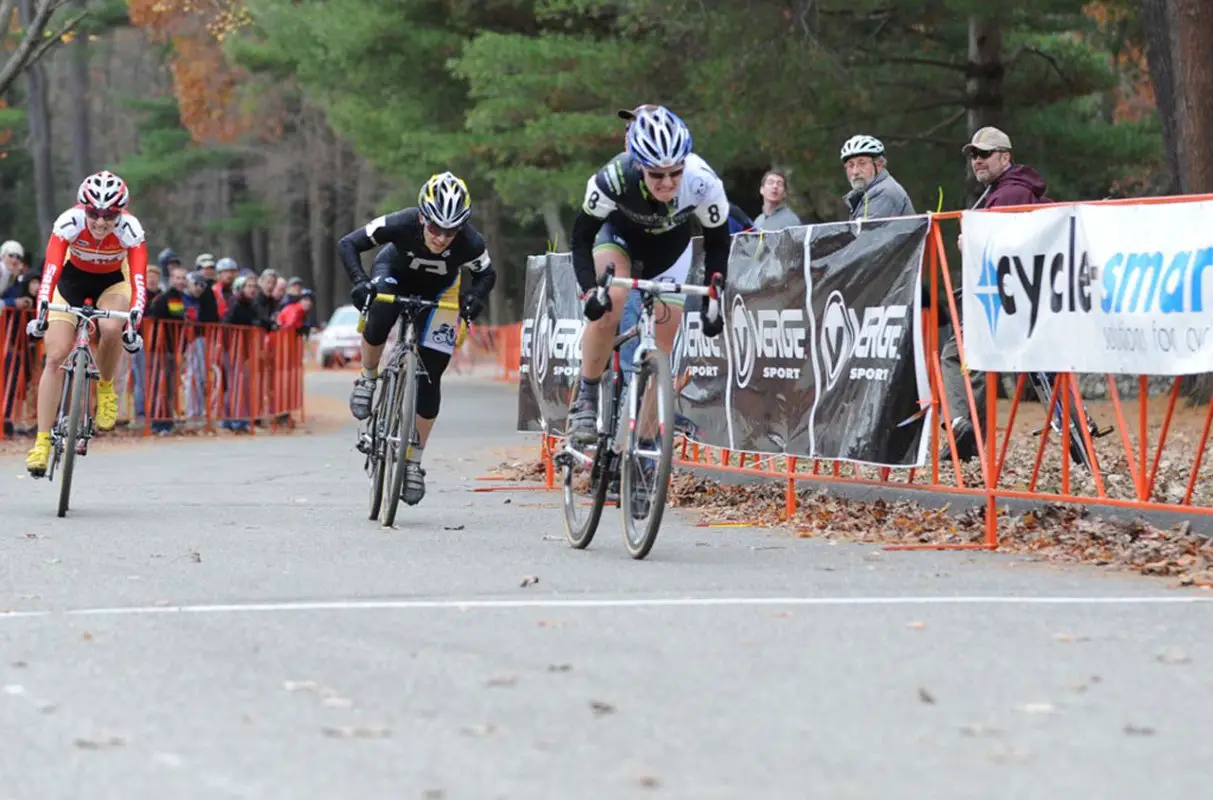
<point x="73" y="426"/>
<point x="389" y="434"/>
<point x="1042" y="384"/>
<point x="629" y="455"/>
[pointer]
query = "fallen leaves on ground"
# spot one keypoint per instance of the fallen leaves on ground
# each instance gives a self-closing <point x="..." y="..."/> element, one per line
<point x="600" y="708"/>
<point x="1050" y="532"/>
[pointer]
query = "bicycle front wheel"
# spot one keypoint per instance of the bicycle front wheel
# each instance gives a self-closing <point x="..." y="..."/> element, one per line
<point x="406" y="424"/>
<point x="646" y="462"/>
<point x="379" y="430"/>
<point x="76" y="415"/>
<point x="581" y="519"/>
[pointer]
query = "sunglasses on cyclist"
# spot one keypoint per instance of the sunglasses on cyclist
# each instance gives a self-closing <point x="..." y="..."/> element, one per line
<point x="976" y="155"/>
<point x="660" y="176"/>
<point x="441" y="233"/>
<point x="105" y="214"/>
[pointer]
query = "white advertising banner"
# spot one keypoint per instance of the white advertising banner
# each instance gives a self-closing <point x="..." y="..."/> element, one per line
<point x="1089" y="288"/>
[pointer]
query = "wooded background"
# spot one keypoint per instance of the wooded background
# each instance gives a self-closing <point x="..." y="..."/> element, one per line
<point x="265" y="129"/>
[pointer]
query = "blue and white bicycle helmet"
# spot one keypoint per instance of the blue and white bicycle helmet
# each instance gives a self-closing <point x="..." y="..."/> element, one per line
<point x="657" y="138"/>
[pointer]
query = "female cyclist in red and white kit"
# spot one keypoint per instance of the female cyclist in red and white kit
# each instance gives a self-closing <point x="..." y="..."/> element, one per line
<point x="96" y="252"/>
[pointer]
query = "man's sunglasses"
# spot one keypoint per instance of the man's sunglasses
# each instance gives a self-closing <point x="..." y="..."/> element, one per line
<point x="976" y="155"/>
<point x="106" y="214"/>
<point x="445" y="233"/>
<point x="660" y="176"/>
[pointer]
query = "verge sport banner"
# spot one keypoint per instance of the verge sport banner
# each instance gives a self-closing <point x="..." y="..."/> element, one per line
<point x="1089" y="288"/>
<point x="551" y="343"/>
<point x="868" y="359"/>
<point x="823" y="360"/>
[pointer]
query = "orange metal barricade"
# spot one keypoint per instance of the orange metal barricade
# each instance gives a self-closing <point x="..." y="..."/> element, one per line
<point x="1126" y="469"/>
<point x="188" y="374"/>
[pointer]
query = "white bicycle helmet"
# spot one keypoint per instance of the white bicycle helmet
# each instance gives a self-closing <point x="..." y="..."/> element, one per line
<point x="445" y="201"/>
<point x="862" y="145"/>
<point x="657" y="138"/>
<point x="103" y="190"/>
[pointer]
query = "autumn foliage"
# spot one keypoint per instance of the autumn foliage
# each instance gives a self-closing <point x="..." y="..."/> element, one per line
<point x="204" y="82"/>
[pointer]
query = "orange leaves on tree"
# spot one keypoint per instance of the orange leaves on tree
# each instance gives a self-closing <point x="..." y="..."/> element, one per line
<point x="203" y="81"/>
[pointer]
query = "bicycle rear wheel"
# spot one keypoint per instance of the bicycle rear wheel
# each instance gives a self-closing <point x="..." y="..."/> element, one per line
<point x="580" y="522"/>
<point x="78" y="376"/>
<point x="379" y="430"/>
<point x="405" y="425"/>
<point x="644" y="484"/>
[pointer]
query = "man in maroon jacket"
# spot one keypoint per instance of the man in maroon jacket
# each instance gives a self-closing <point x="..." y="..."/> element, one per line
<point x="1007" y="184"/>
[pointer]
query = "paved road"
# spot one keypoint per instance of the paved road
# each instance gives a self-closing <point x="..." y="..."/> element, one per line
<point x="218" y="620"/>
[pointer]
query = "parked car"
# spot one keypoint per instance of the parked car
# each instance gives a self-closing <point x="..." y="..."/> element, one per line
<point x="340" y="342"/>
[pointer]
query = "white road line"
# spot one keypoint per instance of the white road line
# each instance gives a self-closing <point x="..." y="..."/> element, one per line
<point x="604" y="603"/>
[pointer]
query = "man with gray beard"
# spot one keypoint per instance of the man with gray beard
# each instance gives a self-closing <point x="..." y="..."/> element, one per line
<point x="874" y="193"/>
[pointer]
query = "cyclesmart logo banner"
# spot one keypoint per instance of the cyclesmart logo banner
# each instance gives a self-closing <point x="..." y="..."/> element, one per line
<point x="551" y="343"/>
<point x="1088" y="288"/>
<point x="873" y="398"/>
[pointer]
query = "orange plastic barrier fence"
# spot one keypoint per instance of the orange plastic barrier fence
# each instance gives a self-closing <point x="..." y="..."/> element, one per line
<point x="1145" y="465"/>
<point x="197" y="375"/>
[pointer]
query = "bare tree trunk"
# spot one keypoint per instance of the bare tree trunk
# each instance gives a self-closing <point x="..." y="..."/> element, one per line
<point x="983" y="87"/>
<point x="367" y="194"/>
<point x="38" y="115"/>
<point x="78" y="83"/>
<point x="320" y="152"/>
<point x="1194" y="86"/>
<point x="557" y="236"/>
<point x="238" y="194"/>
<point x="1192" y="36"/>
<point x="1157" y="26"/>
<point x="500" y="308"/>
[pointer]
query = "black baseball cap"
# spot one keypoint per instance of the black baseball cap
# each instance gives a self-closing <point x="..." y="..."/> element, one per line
<point x="630" y="114"/>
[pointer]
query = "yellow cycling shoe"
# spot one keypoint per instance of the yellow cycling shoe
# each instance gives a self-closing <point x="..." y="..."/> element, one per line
<point x="107" y="406"/>
<point x="37" y="459"/>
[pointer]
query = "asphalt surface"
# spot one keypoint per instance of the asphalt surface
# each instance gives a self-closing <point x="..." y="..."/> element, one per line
<point x="217" y="619"/>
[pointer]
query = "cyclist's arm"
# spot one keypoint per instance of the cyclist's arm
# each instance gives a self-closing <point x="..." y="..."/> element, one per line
<point x="56" y="256"/>
<point x="484" y="276"/>
<point x="595" y="208"/>
<point x="378" y="231"/>
<point x="713" y="214"/>
<point x="136" y="259"/>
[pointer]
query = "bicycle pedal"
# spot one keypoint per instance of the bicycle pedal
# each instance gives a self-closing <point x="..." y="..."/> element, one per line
<point x="1097" y="433"/>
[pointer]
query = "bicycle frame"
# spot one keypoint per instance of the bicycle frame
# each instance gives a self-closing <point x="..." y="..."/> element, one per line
<point x="645" y="329"/>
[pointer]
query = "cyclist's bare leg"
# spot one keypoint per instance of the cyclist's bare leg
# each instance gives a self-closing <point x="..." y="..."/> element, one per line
<point x="600" y="334"/>
<point x="424" y="426"/>
<point x="109" y="348"/>
<point x="371" y="353"/>
<point x="667" y="319"/>
<point x="60" y="335"/>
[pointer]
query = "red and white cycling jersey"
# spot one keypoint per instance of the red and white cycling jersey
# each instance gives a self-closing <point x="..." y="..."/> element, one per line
<point x="72" y="242"/>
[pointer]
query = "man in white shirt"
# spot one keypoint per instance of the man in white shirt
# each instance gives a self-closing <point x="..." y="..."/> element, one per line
<point x="11" y="255"/>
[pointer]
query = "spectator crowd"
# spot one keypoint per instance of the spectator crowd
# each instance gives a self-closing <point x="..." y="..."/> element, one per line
<point x="180" y="302"/>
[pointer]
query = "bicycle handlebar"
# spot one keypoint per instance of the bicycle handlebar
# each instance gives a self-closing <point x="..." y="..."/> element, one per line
<point x="88" y="312"/>
<point x="658" y="288"/>
<point x="445" y="305"/>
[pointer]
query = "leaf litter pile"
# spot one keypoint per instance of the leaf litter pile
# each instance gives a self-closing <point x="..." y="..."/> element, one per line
<point x="1049" y="532"/>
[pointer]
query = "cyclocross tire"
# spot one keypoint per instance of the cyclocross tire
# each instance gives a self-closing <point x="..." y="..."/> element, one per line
<point x="640" y="539"/>
<point x="379" y="425"/>
<point x="76" y="416"/>
<point x="406" y="422"/>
